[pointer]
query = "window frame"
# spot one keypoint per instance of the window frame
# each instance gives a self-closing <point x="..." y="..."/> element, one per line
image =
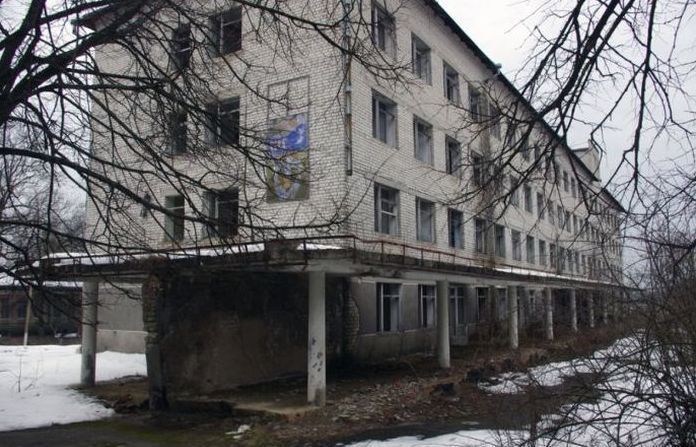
<point x="178" y="133"/>
<point x="174" y="220"/>
<point x="217" y="129"/>
<point x="455" y="233"/>
<point x="422" y="128"/>
<point x="450" y="84"/>
<point x="426" y="306"/>
<point x="528" y="199"/>
<point x="383" y="105"/>
<point x="516" y="241"/>
<point x="420" y="202"/>
<point x="380" y="212"/>
<point x="219" y="24"/>
<point x="217" y="225"/>
<point x="385" y="291"/>
<point x="420" y="52"/>
<point x="499" y="248"/>
<point x="450" y="167"/>
<point x="383" y="29"/>
<point x="530" y="249"/>
<point x="181" y="46"/>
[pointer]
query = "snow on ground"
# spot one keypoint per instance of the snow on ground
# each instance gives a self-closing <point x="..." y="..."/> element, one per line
<point x="35" y="381"/>
<point x="624" y="413"/>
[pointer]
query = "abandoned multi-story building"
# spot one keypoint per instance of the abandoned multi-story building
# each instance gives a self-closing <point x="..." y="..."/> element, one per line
<point x="398" y="229"/>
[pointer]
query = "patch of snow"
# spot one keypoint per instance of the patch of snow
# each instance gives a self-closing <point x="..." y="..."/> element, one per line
<point x="317" y="247"/>
<point x="471" y="438"/>
<point x="35" y="384"/>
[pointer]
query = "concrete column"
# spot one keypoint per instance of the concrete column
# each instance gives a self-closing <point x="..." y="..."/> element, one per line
<point x="316" y="340"/>
<point x="525" y="309"/>
<point x="590" y="309"/>
<point x="573" y="310"/>
<point x="443" y="342"/>
<point x="513" y="316"/>
<point x="492" y="312"/>
<point x="90" y="298"/>
<point x="152" y="301"/>
<point x="27" y="317"/>
<point x="548" y="314"/>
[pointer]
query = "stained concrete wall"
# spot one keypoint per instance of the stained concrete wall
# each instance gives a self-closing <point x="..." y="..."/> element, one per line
<point x="120" y="317"/>
<point x="237" y="329"/>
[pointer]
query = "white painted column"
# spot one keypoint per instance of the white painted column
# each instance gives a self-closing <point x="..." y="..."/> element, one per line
<point x="27" y="316"/>
<point x="513" y="315"/>
<point x="90" y="299"/>
<point x="590" y="309"/>
<point x="548" y="314"/>
<point x="573" y="310"/>
<point x="443" y="342"/>
<point x="316" y="340"/>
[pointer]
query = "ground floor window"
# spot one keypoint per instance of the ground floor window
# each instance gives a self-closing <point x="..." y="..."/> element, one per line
<point x="482" y="295"/>
<point x="456" y="294"/>
<point x="426" y="296"/>
<point x="388" y="307"/>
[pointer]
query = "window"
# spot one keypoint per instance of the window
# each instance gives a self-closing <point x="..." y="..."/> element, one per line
<point x="383" y="30"/>
<point x="421" y="59"/>
<point x="223" y="122"/>
<point x="451" y="83"/>
<point x="576" y="227"/>
<point x="386" y="210"/>
<point x="174" y="220"/>
<point x="495" y="121"/>
<point x="566" y="188"/>
<point x="477" y="166"/>
<point x="388" y="307"/>
<point x="177" y="133"/>
<point x="561" y="259"/>
<point x="4" y="308"/>
<point x="181" y="47"/>
<point x="514" y="191"/>
<point x="560" y="214"/>
<point x="577" y="262"/>
<point x="226" y="31"/>
<point x="455" y="221"/>
<point x="528" y="205"/>
<point x="481" y="231"/>
<point x="541" y="209"/>
<point x="425" y="220"/>
<point x="567" y="222"/>
<point x="427" y="305"/>
<point x="530" y="250"/>
<point x="475" y="104"/>
<point x="383" y="119"/>
<point x="499" y="241"/>
<point x="456" y="299"/>
<point x="423" y="141"/>
<point x="222" y="209"/>
<point x="552" y="218"/>
<point x="542" y="252"/>
<point x="552" y="256"/>
<point x="573" y="188"/>
<point x="583" y="265"/>
<point x="454" y="156"/>
<point x="524" y="148"/>
<point x="516" y="246"/>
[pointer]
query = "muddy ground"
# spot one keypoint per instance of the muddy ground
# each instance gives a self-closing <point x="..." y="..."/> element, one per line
<point x="404" y="397"/>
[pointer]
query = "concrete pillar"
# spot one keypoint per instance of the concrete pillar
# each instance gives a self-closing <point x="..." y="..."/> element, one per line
<point x="573" y="310"/>
<point x="548" y="314"/>
<point x="152" y="301"/>
<point x="90" y="298"/>
<point x="590" y="309"/>
<point x="316" y="340"/>
<point x="443" y="342"/>
<point x="513" y="316"/>
<point x="27" y="316"/>
<point x="525" y="309"/>
<point x="492" y="312"/>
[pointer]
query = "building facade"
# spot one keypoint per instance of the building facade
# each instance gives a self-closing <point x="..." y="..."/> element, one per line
<point x="430" y="208"/>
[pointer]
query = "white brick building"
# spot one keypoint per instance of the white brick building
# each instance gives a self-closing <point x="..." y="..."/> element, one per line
<point x="407" y="221"/>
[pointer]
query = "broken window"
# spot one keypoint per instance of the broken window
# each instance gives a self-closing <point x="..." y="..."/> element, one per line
<point x="421" y="59"/>
<point x="388" y="307"/>
<point x="427" y="305"/>
<point x="223" y="122"/>
<point x="425" y="220"/>
<point x="174" y="220"/>
<point x="226" y="31"/>
<point x="386" y="210"/>
<point x="181" y="47"/>
<point x="222" y="211"/>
